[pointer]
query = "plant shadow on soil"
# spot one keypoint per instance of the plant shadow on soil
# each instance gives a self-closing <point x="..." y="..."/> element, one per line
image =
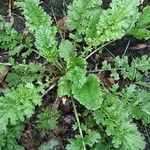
<point x="32" y="138"/>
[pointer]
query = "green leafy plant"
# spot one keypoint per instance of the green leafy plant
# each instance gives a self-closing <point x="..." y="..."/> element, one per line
<point x="140" y="30"/>
<point x="100" y="26"/>
<point x="16" y="104"/>
<point x="48" y="119"/>
<point x="133" y="71"/>
<point x="12" y="41"/>
<point x="131" y="102"/>
<point x="8" y="138"/>
<point x="40" y="24"/>
<point x="91" y="138"/>
<point x="27" y="73"/>
<point x="119" y="126"/>
<point x="113" y="108"/>
<point x="77" y="84"/>
<point x="139" y="104"/>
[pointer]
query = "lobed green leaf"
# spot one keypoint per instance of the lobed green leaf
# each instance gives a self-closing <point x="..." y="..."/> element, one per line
<point x="90" y="94"/>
